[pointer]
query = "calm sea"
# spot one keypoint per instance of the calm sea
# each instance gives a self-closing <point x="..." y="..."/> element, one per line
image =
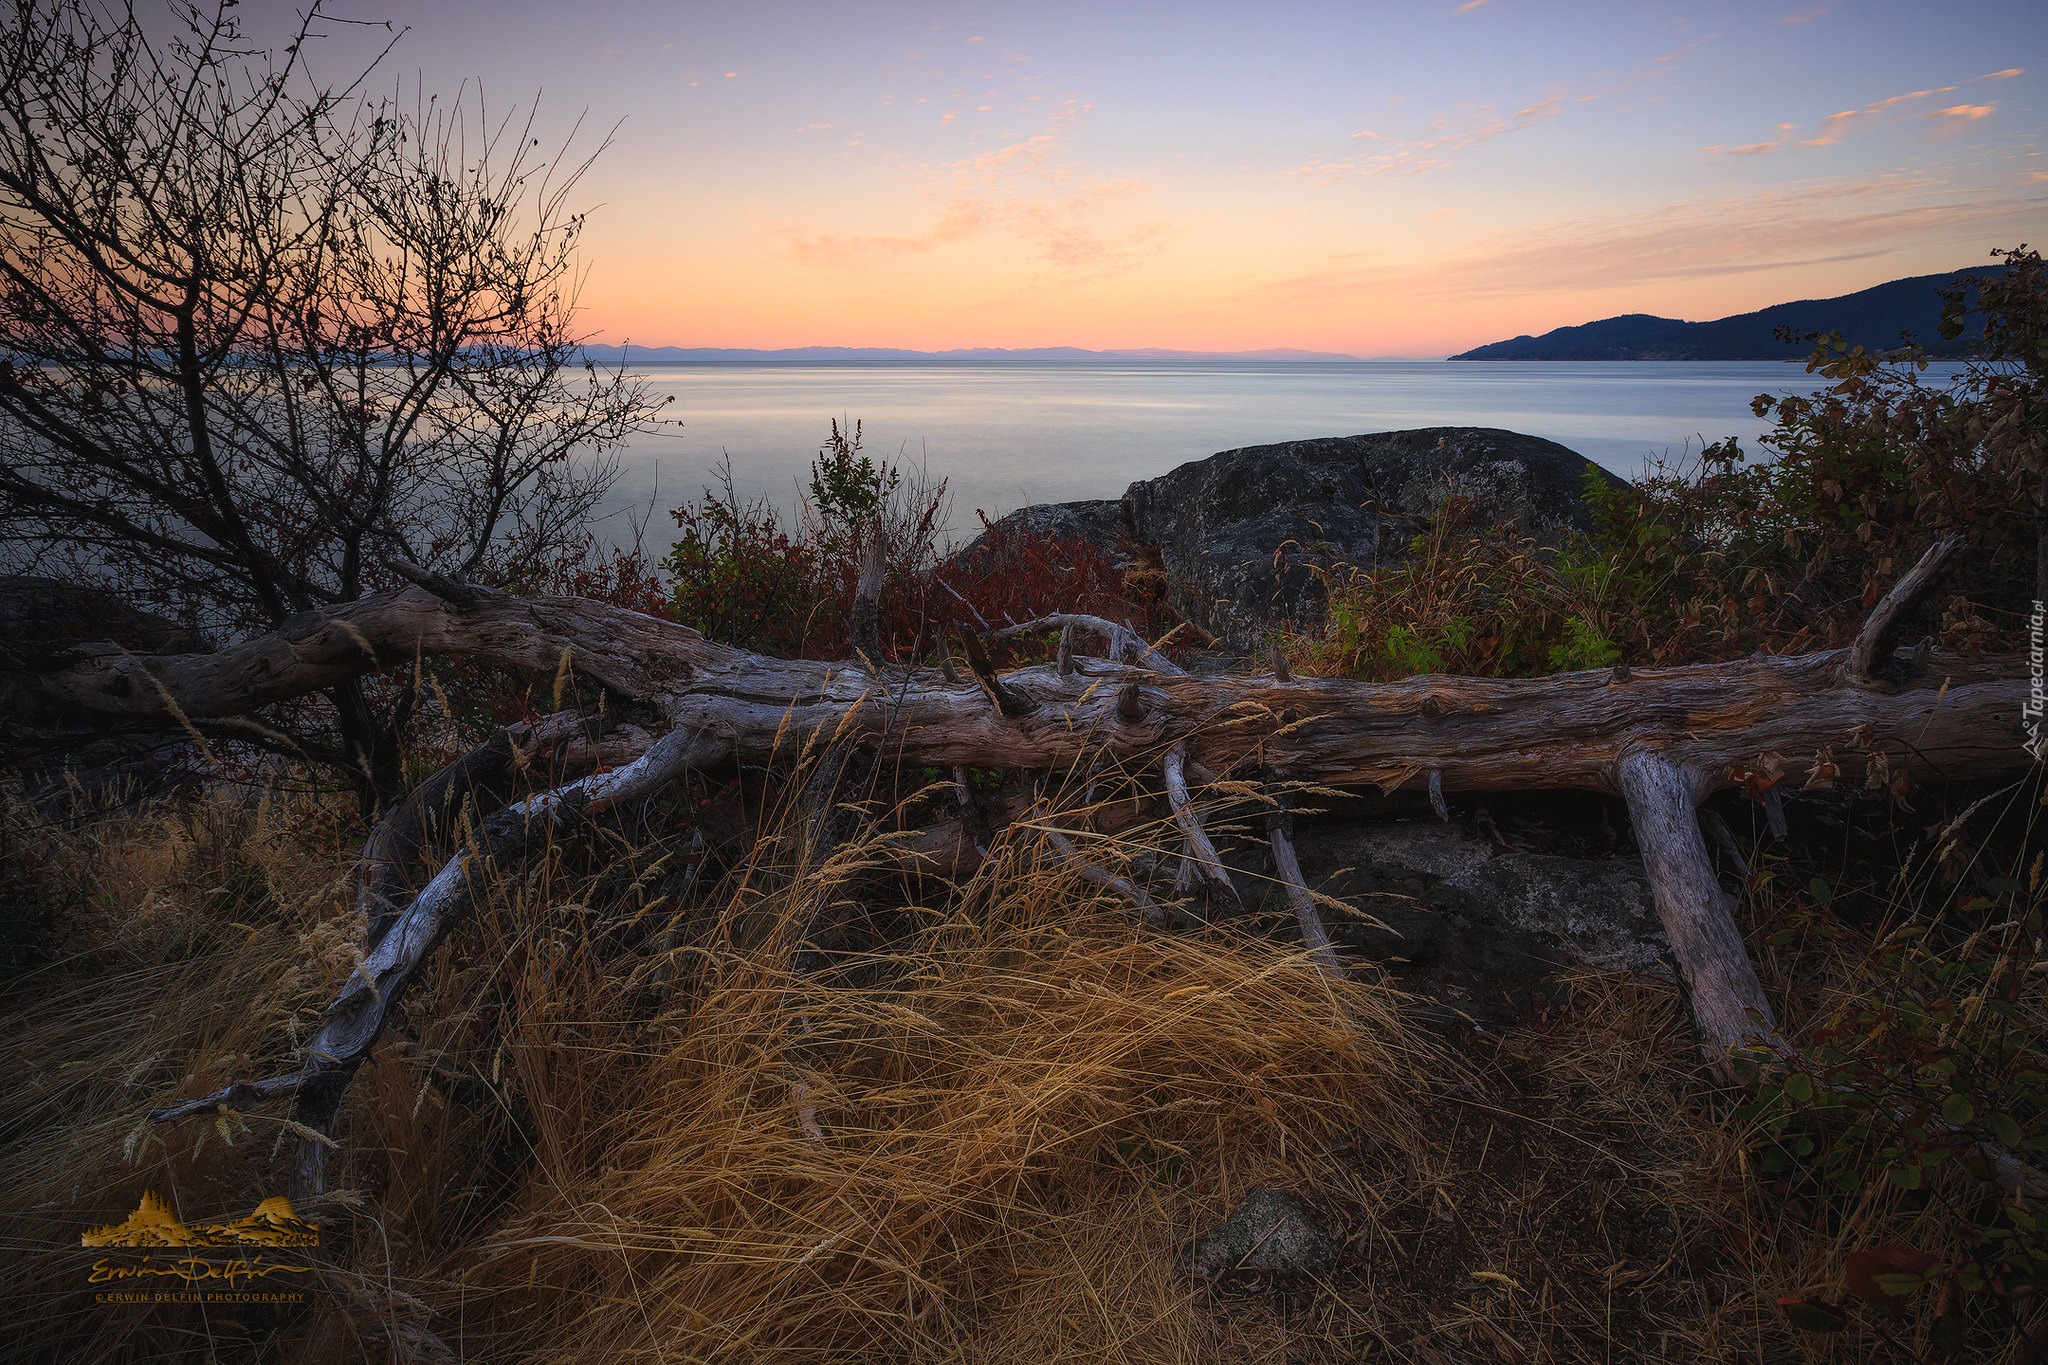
<point x="1007" y="434"/>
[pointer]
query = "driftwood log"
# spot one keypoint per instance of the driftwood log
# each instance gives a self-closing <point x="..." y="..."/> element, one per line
<point x="1663" y="739"/>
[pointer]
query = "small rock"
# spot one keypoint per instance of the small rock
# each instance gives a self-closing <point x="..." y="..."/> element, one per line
<point x="1268" y="1230"/>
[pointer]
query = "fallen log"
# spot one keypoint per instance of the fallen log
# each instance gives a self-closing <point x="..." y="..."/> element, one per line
<point x="1662" y="738"/>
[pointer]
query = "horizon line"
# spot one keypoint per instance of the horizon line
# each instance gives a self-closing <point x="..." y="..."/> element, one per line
<point x="1278" y="353"/>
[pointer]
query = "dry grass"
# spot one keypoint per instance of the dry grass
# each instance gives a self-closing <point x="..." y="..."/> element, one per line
<point x="576" y="1148"/>
<point x="558" y="1162"/>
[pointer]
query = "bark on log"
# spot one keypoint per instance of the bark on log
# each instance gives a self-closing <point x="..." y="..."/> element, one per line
<point x="1481" y="734"/>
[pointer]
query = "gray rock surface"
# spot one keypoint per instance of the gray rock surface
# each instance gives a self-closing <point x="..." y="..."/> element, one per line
<point x="1098" y="521"/>
<point x="1452" y="899"/>
<point x="1243" y="532"/>
<point x="1268" y="1230"/>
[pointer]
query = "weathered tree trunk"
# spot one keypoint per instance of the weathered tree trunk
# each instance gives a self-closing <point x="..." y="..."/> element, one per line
<point x="1478" y="734"/>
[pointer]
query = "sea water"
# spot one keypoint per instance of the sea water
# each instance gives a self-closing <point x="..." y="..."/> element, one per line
<point x="1009" y="433"/>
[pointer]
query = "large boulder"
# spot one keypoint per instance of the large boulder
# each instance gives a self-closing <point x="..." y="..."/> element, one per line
<point x="1244" y="533"/>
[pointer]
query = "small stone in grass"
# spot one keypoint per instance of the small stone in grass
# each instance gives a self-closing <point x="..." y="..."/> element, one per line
<point x="1268" y="1230"/>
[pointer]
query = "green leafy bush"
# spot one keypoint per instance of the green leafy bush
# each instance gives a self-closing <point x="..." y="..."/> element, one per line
<point x="1925" y="1087"/>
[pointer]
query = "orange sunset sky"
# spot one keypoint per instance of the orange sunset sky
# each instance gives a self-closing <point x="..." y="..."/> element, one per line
<point x="1407" y="179"/>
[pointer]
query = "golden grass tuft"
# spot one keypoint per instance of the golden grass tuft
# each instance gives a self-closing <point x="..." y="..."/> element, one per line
<point x="1022" y="1106"/>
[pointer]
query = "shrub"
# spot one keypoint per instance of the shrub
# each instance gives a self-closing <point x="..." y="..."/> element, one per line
<point x="742" y="574"/>
<point x="737" y="574"/>
<point x="1923" y="1072"/>
<point x="1469" y="598"/>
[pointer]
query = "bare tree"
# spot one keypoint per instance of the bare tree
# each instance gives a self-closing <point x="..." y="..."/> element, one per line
<point x="260" y="335"/>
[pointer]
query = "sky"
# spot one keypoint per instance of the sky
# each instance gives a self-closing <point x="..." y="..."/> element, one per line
<point x="1409" y="178"/>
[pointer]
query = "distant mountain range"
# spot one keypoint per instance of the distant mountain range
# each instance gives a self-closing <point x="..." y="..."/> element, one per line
<point x="656" y="354"/>
<point x="1873" y="317"/>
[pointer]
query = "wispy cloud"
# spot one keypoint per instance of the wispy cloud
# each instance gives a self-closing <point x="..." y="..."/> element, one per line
<point x="1027" y="191"/>
<point x="1836" y="126"/>
<point x="1703" y="239"/>
<point x="1444" y="135"/>
<point x="1809" y="14"/>
<point x="1734" y="235"/>
<point x="1468" y="6"/>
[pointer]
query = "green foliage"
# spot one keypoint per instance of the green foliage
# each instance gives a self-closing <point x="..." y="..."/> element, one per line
<point x="849" y="492"/>
<point x="1469" y="598"/>
<point x="739" y="576"/>
<point x="1910" y="1088"/>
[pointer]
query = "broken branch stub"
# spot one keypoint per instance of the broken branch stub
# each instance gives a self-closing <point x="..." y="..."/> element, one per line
<point x="1314" y="937"/>
<point x="1870" y="656"/>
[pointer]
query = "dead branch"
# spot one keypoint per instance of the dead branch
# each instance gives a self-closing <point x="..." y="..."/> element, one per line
<point x="1316" y="938"/>
<point x="1121" y="644"/>
<point x="1200" y="853"/>
<point x="358" y="1014"/>
<point x="1728" y="1005"/>
<point x="1871" y="654"/>
<point x="1096" y="875"/>
<point x="480" y="781"/>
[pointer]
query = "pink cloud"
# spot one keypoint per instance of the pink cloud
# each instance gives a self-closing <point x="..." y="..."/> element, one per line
<point x="1964" y="113"/>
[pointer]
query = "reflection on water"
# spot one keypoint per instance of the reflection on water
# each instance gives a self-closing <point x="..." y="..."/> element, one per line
<point x="1012" y="433"/>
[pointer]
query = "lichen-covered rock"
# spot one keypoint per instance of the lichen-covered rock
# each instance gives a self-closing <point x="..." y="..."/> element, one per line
<point x="1452" y="899"/>
<point x="1269" y="1230"/>
<point x="1097" y="521"/>
<point x="1244" y="532"/>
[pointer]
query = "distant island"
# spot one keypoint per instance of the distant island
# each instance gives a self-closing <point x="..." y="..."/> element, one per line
<point x="818" y="353"/>
<point x="1878" y="317"/>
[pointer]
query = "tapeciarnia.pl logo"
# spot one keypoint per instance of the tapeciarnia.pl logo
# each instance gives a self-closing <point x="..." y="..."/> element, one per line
<point x="2033" y="709"/>
<point x="258" y="1248"/>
